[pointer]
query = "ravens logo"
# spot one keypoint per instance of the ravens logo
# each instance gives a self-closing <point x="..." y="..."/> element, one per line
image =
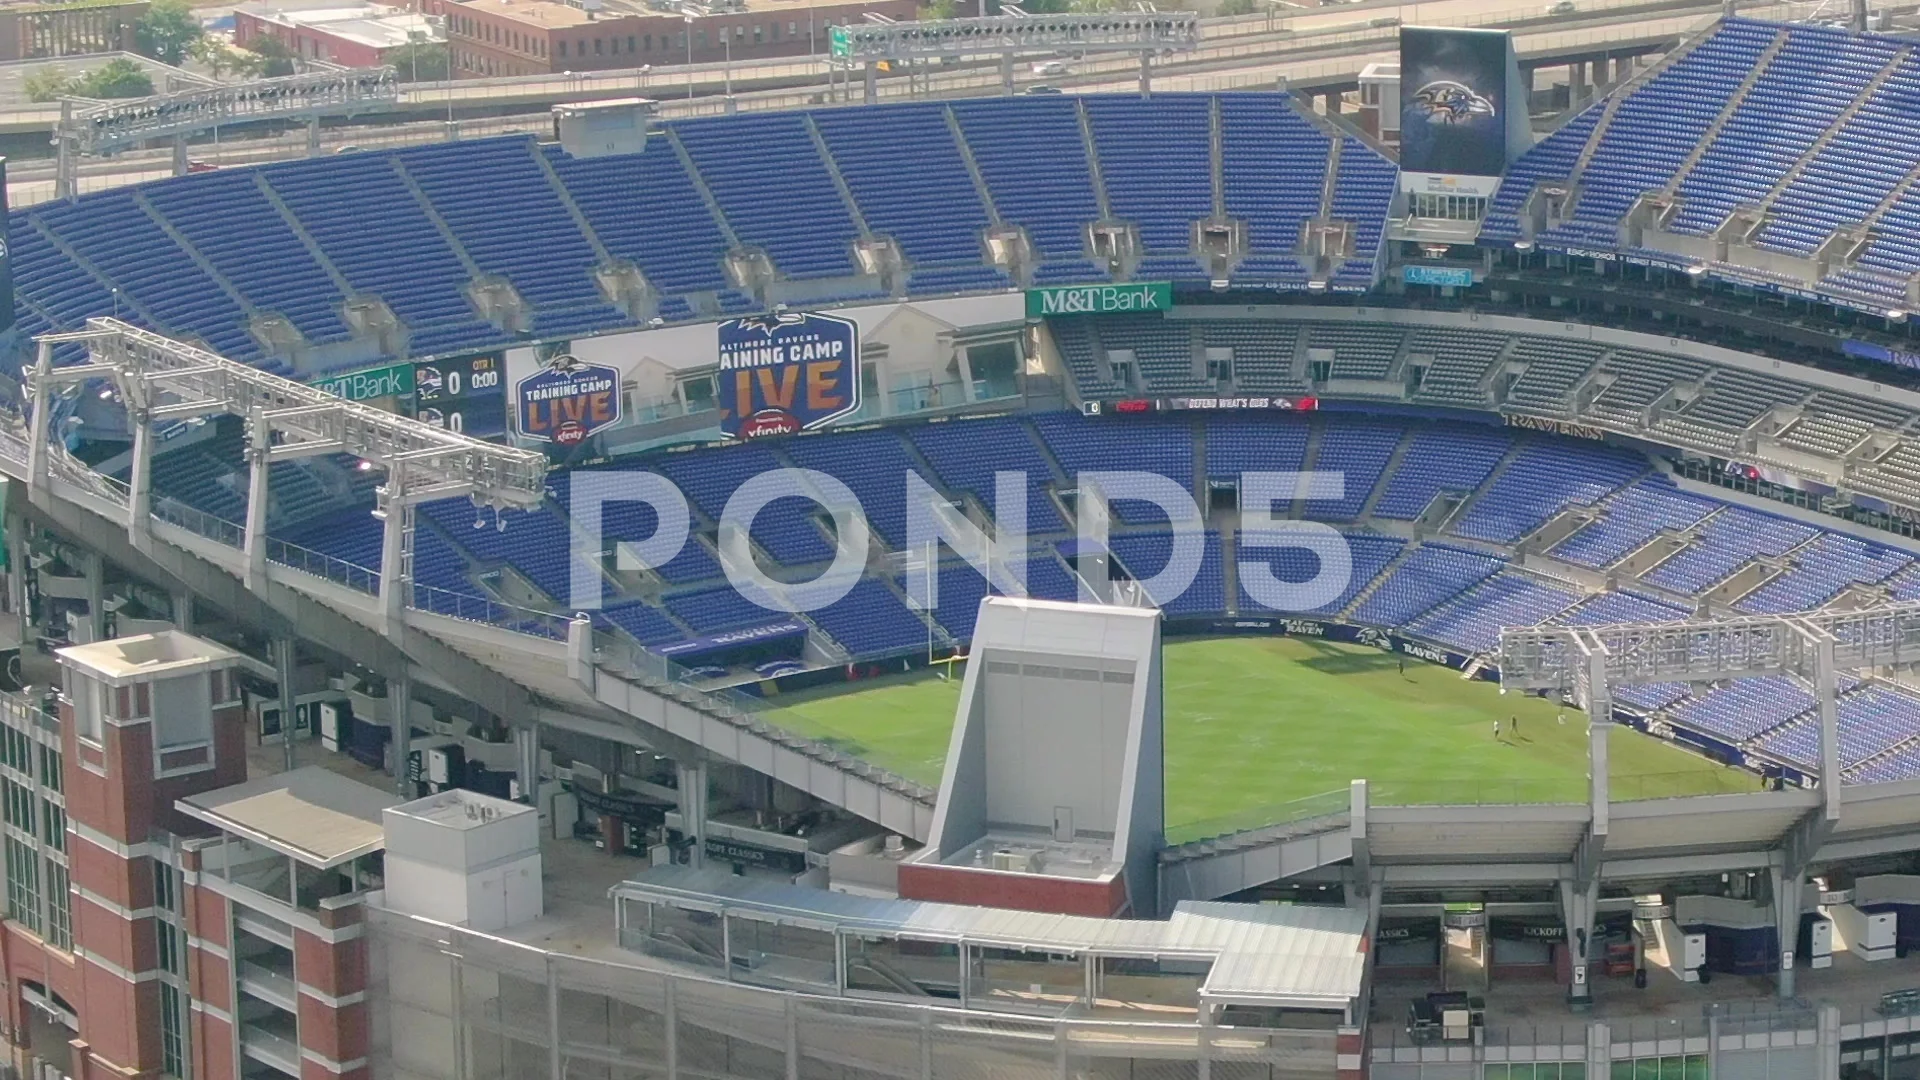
<point x="1448" y="102"/>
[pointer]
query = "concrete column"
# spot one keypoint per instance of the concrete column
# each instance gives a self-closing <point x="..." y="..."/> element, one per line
<point x="179" y="155"/>
<point x="19" y="565"/>
<point x="400" y="706"/>
<point x="395" y="577"/>
<point x="1787" y="890"/>
<point x="1600" y="1050"/>
<point x="1006" y="73"/>
<point x="1827" y="1038"/>
<point x="527" y="761"/>
<point x="38" y="452"/>
<point x="1146" y="75"/>
<point x="872" y="89"/>
<point x="140" y="486"/>
<point x="254" y="539"/>
<point x="1599" y="724"/>
<point x="183" y="611"/>
<point x="1576" y="908"/>
<point x="693" y="810"/>
<point x="1576" y="82"/>
<point x="283" y="672"/>
<point x="96" y="575"/>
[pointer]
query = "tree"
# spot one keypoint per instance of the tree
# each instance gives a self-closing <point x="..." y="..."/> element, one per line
<point x="116" y="79"/>
<point x="419" y="61"/>
<point x="120" y="78"/>
<point x="1238" y="7"/>
<point x="167" y="31"/>
<point x="940" y="9"/>
<point x="213" y="54"/>
<point x="265" y="57"/>
<point x="50" y="84"/>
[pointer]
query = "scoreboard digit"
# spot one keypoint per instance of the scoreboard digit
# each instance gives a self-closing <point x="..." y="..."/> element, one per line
<point x="466" y="394"/>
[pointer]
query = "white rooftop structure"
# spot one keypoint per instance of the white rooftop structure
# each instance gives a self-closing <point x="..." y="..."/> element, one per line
<point x="1055" y="762"/>
<point x="312" y="815"/>
<point x="167" y="654"/>
<point x="374" y="25"/>
<point x="1288" y="957"/>
<point x="465" y="858"/>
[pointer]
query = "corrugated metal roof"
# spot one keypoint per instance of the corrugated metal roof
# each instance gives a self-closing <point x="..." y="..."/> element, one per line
<point x="1298" y="956"/>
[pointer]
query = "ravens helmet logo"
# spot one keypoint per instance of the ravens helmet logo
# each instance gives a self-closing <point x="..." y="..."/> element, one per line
<point x="1448" y="102"/>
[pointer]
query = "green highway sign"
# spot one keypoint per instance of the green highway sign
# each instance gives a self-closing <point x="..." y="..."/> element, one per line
<point x="1099" y="299"/>
<point x="372" y="383"/>
<point x="839" y="41"/>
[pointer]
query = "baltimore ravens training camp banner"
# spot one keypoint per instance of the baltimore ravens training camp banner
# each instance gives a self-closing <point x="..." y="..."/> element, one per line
<point x="1460" y="95"/>
<point x="567" y="400"/>
<point x="787" y="372"/>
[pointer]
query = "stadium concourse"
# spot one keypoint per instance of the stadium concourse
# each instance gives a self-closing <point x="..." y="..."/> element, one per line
<point x="1632" y="428"/>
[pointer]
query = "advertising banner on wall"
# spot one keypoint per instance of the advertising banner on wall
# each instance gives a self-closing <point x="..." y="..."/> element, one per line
<point x="567" y="401"/>
<point x="371" y="384"/>
<point x="1099" y="299"/>
<point x="786" y="372"/>
<point x="1454" y="108"/>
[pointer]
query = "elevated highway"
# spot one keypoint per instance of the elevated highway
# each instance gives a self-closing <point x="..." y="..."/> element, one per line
<point x="1326" y="55"/>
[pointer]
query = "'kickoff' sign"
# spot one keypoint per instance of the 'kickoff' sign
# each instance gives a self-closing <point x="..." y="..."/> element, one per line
<point x="567" y="401"/>
<point x="1099" y="299"/>
<point x="784" y="373"/>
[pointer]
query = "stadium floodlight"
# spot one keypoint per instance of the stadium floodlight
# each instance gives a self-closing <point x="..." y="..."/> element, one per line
<point x="1009" y="34"/>
<point x="161" y="379"/>
<point x="104" y="127"/>
<point x="1814" y="645"/>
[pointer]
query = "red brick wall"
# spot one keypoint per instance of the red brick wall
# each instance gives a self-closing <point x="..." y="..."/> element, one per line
<point x="334" y="969"/>
<point x="336" y="1033"/>
<point x="1021" y="892"/>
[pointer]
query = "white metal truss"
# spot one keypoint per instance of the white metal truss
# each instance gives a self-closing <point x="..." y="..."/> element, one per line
<point x="1124" y="32"/>
<point x="1706" y="650"/>
<point x="104" y="127"/>
<point x="161" y="379"/>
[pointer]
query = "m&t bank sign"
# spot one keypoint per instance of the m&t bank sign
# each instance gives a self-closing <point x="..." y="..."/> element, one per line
<point x="1099" y="299"/>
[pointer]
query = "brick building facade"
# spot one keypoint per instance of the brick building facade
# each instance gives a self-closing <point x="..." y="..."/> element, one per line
<point x="164" y="916"/>
<point x="529" y="37"/>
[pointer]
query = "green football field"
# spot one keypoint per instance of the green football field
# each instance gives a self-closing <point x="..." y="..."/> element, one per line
<point x="1253" y="723"/>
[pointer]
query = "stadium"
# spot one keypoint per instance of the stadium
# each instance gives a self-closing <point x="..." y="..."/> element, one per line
<point x="1193" y="583"/>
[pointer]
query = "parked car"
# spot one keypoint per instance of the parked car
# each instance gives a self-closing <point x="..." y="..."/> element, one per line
<point x="1050" y="67"/>
<point x="1043" y="89"/>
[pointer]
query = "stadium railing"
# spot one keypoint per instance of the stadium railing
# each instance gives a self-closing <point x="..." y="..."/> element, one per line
<point x="626" y="657"/>
<point x="1329" y="808"/>
<point x="320" y="564"/>
<point x="480" y="609"/>
<point x="1440" y="791"/>
<point x="1680" y="785"/>
<point x="199" y="522"/>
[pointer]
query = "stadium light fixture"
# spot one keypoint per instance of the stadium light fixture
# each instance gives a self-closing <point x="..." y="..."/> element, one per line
<point x="158" y="377"/>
